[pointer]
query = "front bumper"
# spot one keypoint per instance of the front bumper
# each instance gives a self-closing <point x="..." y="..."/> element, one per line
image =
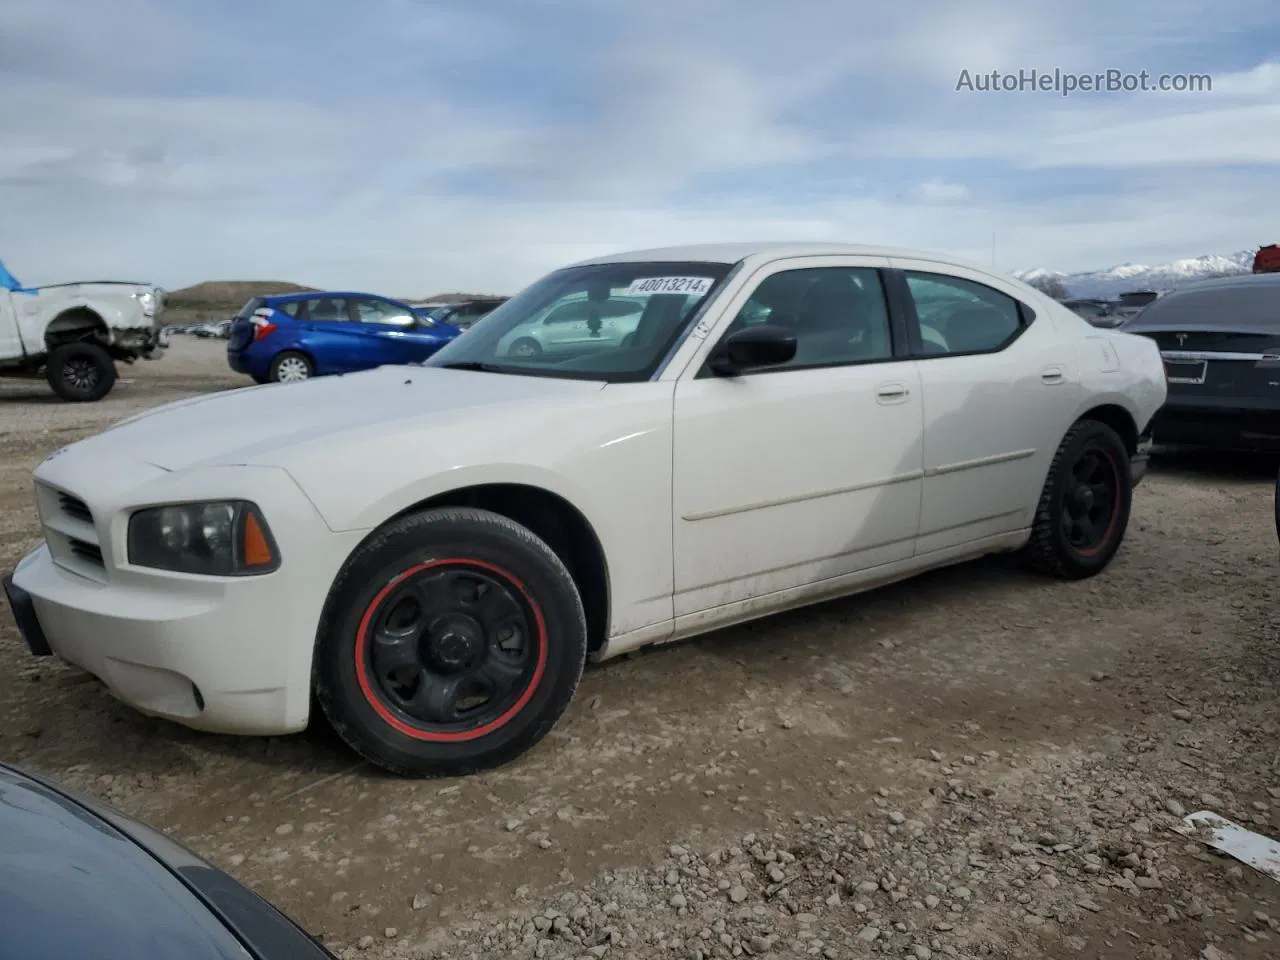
<point x="24" y="613"/>
<point x="222" y="666"/>
<point x="224" y="655"/>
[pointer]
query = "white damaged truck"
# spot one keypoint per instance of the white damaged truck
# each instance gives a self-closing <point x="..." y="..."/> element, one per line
<point x="72" y="334"/>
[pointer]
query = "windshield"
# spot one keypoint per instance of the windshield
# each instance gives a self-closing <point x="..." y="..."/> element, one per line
<point x="606" y="321"/>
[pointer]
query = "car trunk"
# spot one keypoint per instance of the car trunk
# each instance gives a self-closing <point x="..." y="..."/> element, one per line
<point x="1225" y="364"/>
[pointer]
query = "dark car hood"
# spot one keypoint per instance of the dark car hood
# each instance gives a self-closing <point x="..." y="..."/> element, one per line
<point x="72" y="885"/>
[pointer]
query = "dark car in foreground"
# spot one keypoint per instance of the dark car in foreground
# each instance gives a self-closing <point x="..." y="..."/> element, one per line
<point x="298" y="336"/>
<point x="78" y="879"/>
<point x="1220" y="340"/>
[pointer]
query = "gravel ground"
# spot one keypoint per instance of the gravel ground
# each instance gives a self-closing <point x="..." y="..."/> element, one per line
<point x="977" y="763"/>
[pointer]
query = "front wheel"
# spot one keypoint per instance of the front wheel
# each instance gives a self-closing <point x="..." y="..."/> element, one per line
<point x="451" y="642"/>
<point x="81" y="372"/>
<point x="1084" y="506"/>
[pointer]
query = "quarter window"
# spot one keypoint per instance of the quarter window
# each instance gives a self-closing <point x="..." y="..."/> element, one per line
<point x="959" y="316"/>
<point x="838" y="314"/>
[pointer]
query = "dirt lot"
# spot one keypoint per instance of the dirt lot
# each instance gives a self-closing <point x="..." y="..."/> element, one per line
<point x="976" y="763"/>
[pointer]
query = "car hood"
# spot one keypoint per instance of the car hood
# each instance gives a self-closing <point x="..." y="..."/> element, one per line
<point x="252" y="424"/>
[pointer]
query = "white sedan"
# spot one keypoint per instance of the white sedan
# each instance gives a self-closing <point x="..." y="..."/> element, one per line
<point x="434" y="551"/>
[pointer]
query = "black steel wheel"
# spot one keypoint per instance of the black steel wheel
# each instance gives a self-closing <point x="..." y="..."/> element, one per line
<point x="81" y="372"/>
<point x="451" y="642"/>
<point x="1083" y="512"/>
<point x="453" y="646"/>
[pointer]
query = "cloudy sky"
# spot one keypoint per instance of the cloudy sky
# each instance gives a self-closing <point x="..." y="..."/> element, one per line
<point x="412" y="146"/>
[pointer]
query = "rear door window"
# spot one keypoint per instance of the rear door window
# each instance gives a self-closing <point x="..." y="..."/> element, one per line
<point x="324" y="310"/>
<point x="247" y="310"/>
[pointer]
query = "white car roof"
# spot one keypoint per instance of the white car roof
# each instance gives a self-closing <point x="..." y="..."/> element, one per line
<point x="733" y="252"/>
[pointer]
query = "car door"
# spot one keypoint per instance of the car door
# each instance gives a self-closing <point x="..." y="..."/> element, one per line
<point x="806" y="471"/>
<point x="326" y="332"/>
<point x="995" y="385"/>
<point x="10" y="337"/>
<point x="392" y="332"/>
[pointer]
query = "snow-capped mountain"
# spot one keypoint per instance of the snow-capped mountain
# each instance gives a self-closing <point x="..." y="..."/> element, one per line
<point x="1136" y="276"/>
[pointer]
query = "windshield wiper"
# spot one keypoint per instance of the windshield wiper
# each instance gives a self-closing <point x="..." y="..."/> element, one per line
<point x="473" y="365"/>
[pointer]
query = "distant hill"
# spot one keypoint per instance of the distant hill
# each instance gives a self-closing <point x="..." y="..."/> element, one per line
<point x="219" y="299"/>
<point x="1136" y="276"/>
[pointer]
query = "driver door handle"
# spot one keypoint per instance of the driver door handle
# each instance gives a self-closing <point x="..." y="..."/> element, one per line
<point x="892" y="392"/>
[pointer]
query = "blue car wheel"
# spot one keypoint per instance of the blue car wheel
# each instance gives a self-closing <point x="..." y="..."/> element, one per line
<point x="290" y="366"/>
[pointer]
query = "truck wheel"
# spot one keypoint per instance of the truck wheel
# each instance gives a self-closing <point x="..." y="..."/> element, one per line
<point x="81" y="372"/>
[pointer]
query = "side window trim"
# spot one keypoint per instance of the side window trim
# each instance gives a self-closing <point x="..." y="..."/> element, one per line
<point x="898" y="279"/>
<point x="898" y="345"/>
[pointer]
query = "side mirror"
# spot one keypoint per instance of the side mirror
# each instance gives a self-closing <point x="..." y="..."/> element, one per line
<point x="763" y="345"/>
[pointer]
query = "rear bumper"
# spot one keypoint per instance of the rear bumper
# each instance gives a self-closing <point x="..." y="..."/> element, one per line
<point x="1218" y="425"/>
<point x="1140" y="458"/>
<point x="245" y="361"/>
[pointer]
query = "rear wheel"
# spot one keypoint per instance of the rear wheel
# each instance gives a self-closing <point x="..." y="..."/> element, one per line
<point x="525" y="347"/>
<point x="289" y="366"/>
<point x="81" y="372"/>
<point x="1084" y="506"/>
<point x="452" y="642"/>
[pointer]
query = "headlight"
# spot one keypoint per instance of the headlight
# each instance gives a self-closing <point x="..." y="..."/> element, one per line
<point x="148" y="301"/>
<point x="221" y="539"/>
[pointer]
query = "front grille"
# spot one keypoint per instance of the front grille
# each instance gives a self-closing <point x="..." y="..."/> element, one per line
<point x="75" y="508"/>
<point x="89" y="552"/>
<point x="71" y="533"/>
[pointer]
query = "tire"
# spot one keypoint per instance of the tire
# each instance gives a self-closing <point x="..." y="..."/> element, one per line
<point x="290" y="366"/>
<point x="81" y="372"/>
<point x="1276" y="507"/>
<point x="371" y="700"/>
<point x="525" y="347"/>
<point x="1059" y="545"/>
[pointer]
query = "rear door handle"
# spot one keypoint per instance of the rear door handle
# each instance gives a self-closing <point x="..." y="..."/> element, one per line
<point x="1052" y="375"/>
<point x="892" y="392"/>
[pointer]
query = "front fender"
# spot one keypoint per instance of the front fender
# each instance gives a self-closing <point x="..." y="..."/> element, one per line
<point x="342" y="515"/>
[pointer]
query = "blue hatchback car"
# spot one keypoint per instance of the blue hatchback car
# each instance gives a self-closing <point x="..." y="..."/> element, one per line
<point x="297" y="336"/>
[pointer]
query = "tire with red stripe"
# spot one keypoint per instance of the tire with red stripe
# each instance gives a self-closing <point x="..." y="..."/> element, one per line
<point x="1083" y="511"/>
<point x="452" y="641"/>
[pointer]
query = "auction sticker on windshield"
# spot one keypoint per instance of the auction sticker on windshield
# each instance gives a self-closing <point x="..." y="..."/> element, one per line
<point x="688" y="285"/>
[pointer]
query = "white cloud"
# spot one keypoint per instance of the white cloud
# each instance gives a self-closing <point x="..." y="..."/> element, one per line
<point x="941" y="190"/>
<point x="213" y="154"/>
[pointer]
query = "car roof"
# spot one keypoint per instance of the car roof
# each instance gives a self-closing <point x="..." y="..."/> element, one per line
<point x="775" y="250"/>
<point x="1242" y="280"/>
<point x="72" y="885"/>
<point x="313" y="294"/>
